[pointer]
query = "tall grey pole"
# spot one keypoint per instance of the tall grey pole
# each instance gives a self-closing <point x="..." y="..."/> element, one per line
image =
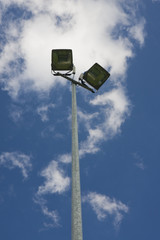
<point x="76" y="192"/>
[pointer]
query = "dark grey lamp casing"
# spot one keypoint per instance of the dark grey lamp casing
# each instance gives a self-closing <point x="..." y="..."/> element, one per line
<point x="96" y="76"/>
<point x="62" y="60"/>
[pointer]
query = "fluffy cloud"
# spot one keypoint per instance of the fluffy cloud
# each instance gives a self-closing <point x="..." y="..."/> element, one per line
<point x="65" y="158"/>
<point x="43" y="25"/>
<point x="139" y="162"/>
<point x="16" y="113"/>
<point x="13" y="160"/>
<point x="52" y="216"/>
<point x="86" y="118"/>
<point x="104" y="206"/>
<point x="55" y="180"/>
<point x="114" y="107"/>
<point x="43" y="111"/>
<point x="138" y="32"/>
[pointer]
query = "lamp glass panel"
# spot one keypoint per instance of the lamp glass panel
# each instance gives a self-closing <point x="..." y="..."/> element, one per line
<point x="96" y="76"/>
<point x="62" y="60"/>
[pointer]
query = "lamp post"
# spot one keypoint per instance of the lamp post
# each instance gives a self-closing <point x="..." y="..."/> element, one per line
<point x="62" y="61"/>
<point x="76" y="190"/>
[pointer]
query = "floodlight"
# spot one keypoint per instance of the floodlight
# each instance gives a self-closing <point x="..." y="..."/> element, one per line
<point x="96" y="76"/>
<point x="62" y="60"/>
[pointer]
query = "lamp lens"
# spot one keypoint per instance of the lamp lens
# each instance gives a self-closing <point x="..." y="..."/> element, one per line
<point x="62" y="60"/>
<point x="96" y="76"/>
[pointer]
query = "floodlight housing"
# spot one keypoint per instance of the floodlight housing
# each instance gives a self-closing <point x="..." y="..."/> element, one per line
<point x="96" y="76"/>
<point x="62" y="60"/>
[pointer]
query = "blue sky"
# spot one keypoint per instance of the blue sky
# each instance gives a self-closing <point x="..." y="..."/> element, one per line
<point x="118" y="126"/>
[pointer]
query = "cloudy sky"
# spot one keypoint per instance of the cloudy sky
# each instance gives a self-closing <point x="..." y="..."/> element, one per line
<point x="118" y="125"/>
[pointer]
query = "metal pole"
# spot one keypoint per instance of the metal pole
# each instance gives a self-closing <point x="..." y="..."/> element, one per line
<point x="76" y="192"/>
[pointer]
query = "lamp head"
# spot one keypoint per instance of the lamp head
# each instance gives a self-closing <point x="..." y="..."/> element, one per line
<point x="62" y="60"/>
<point x="96" y="76"/>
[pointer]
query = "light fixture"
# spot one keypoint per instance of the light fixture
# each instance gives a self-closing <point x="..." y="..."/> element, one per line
<point x="62" y="60"/>
<point x="96" y="76"/>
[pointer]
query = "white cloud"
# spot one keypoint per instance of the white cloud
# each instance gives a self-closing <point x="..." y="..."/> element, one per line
<point x="138" y="32"/>
<point x="86" y="118"/>
<point x="51" y="215"/>
<point x="25" y="57"/>
<point x="13" y="160"/>
<point x="55" y="180"/>
<point x="16" y="113"/>
<point x="65" y="158"/>
<point x="139" y="161"/>
<point x="114" y="107"/>
<point x="43" y="111"/>
<point x="90" y="145"/>
<point x="117" y="107"/>
<point x="67" y="24"/>
<point x="104" y="206"/>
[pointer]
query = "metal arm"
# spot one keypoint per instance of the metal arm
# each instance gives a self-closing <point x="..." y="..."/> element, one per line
<point x="73" y="81"/>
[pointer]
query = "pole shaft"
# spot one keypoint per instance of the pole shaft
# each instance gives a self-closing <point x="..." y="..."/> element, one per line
<point x="76" y="192"/>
